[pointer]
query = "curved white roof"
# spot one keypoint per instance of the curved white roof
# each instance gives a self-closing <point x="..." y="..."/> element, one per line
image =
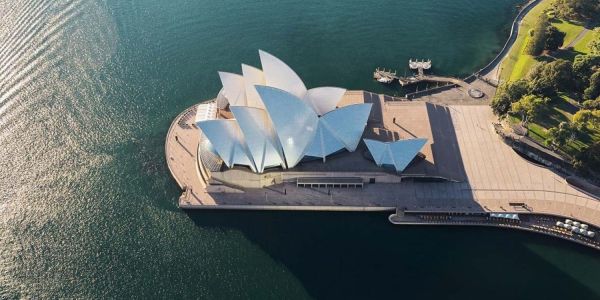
<point x="228" y="141"/>
<point x="252" y="77"/>
<point x="324" y="99"/>
<point x="398" y="153"/>
<point x="348" y="123"/>
<point x="277" y="121"/>
<point x="294" y="122"/>
<point x="280" y="75"/>
<point x="324" y="143"/>
<point x="259" y="137"/>
<point x="234" y="88"/>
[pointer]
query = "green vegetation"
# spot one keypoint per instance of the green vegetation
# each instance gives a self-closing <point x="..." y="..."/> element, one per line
<point x="577" y="10"/>
<point x="537" y="36"/>
<point x="516" y="64"/>
<point x="592" y="41"/>
<point x="552" y="91"/>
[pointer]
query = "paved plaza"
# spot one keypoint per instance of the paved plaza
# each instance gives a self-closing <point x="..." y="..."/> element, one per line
<point x="488" y="175"/>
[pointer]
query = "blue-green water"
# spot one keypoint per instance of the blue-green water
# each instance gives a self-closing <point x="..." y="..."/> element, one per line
<point x="88" y="208"/>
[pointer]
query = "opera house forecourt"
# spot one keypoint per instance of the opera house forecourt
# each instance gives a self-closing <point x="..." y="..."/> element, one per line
<point x="267" y="142"/>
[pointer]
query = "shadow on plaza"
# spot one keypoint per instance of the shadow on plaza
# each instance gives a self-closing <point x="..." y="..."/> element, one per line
<point x="362" y="256"/>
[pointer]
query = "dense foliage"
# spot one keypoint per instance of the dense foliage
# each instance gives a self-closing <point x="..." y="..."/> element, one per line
<point x="578" y="10"/>
<point x="548" y="78"/>
<point x="554" y="38"/>
<point x="529" y="107"/>
<point x="537" y="36"/>
<point x="507" y="94"/>
<point x="588" y="159"/>
<point x="593" y="90"/>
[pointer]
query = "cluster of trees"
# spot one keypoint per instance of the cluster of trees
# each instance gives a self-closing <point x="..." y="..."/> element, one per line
<point x="577" y="10"/>
<point x="528" y="98"/>
<point x="594" y="44"/>
<point x="543" y="36"/>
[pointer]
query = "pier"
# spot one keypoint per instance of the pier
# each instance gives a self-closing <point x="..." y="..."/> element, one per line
<point x="387" y="77"/>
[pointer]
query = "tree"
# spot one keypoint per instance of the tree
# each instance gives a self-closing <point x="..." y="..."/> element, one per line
<point x="559" y="136"/>
<point x="529" y="107"/>
<point x="578" y="10"/>
<point x="548" y="78"/>
<point x="554" y="38"/>
<point x="591" y="104"/>
<point x="508" y="93"/>
<point x="588" y="158"/>
<point x="594" y="44"/>
<point x="537" y="41"/>
<point x="584" y="66"/>
<point x="593" y="91"/>
<point x="587" y="118"/>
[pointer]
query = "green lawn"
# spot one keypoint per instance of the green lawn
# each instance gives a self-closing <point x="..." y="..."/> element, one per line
<point x="560" y="109"/>
<point x="582" y="45"/>
<point x="570" y="30"/>
<point x="516" y="62"/>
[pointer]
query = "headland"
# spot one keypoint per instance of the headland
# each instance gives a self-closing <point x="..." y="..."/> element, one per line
<point x="464" y="175"/>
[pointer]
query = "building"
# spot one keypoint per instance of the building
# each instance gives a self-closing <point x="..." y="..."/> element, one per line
<point x="268" y="120"/>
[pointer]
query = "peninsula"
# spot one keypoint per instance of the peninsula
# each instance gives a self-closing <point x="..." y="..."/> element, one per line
<point x="266" y="142"/>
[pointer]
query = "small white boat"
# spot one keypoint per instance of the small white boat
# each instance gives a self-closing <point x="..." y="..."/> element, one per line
<point x="385" y="80"/>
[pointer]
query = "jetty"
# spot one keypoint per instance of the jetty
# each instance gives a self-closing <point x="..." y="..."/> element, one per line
<point x="387" y="76"/>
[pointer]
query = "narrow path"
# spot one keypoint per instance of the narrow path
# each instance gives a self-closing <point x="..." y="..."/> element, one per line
<point x="491" y="71"/>
<point x="577" y="38"/>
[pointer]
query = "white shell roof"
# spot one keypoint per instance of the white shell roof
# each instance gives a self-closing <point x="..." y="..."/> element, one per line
<point x="252" y="77"/>
<point x="234" y="88"/>
<point x="398" y="153"/>
<point x="294" y="122"/>
<point x="323" y="99"/>
<point x="228" y="141"/>
<point x="280" y="75"/>
<point x="259" y="137"/>
<point x="278" y="121"/>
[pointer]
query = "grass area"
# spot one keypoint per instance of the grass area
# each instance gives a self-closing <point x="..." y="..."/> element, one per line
<point x="560" y="109"/>
<point x="515" y="56"/>
<point x="517" y="63"/>
<point x="582" y="45"/>
<point x="571" y="30"/>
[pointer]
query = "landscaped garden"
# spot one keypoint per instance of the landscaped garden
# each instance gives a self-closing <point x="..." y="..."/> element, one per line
<point x="551" y="80"/>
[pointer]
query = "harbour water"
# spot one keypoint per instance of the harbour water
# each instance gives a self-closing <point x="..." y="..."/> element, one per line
<point x="87" y="206"/>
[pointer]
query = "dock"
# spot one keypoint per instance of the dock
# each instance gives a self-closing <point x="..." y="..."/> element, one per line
<point x="388" y="77"/>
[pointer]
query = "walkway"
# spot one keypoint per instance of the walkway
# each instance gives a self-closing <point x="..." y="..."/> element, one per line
<point x="579" y="36"/>
<point x="181" y="150"/>
<point x="496" y="176"/>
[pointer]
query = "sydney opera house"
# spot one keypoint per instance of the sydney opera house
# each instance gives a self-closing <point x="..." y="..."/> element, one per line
<point x="267" y="120"/>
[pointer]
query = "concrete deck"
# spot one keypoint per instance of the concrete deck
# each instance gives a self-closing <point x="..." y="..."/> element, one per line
<point x="494" y="175"/>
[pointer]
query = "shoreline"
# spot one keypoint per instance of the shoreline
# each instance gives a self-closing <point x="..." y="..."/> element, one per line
<point x="182" y="146"/>
<point x="495" y="65"/>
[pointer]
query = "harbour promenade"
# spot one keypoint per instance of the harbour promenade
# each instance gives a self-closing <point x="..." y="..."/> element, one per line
<point x="495" y="177"/>
<point x="488" y="175"/>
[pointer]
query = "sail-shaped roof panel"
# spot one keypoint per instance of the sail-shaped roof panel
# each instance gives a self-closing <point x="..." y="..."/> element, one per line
<point x="278" y="74"/>
<point x="252" y="77"/>
<point x="227" y="139"/>
<point x="348" y="123"/>
<point x="234" y="88"/>
<point x="324" y="99"/>
<point x="398" y="153"/>
<point x="259" y="137"/>
<point x="295" y="123"/>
